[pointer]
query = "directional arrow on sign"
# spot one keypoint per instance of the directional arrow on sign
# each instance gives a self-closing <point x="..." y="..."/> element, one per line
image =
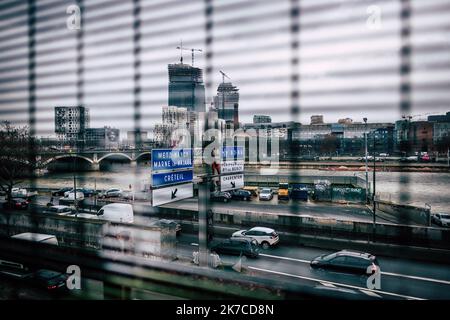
<point x="233" y="184"/>
<point x="174" y="192"/>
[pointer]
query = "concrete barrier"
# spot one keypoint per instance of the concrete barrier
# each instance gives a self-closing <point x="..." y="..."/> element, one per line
<point x="405" y="213"/>
<point x="327" y="227"/>
<point x="148" y="241"/>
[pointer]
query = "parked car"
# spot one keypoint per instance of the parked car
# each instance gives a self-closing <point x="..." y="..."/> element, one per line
<point x="299" y="192"/>
<point x="265" y="237"/>
<point x="19" y="192"/>
<point x="253" y="190"/>
<point x="59" y="210"/>
<point x="241" y="246"/>
<point x="283" y="191"/>
<point x="241" y="195"/>
<point x="16" y="203"/>
<point x="71" y="196"/>
<point x="66" y="194"/>
<point x="61" y="191"/>
<point x="441" y="219"/>
<point x="384" y="154"/>
<point x="266" y="194"/>
<point x="425" y="158"/>
<point x="220" y="196"/>
<point x="409" y="159"/>
<point x="111" y="193"/>
<point x="346" y="261"/>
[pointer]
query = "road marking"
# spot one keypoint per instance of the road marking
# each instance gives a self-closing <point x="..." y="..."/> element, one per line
<point x="194" y="244"/>
<point x="371" y="293"/>
<point x="415" y="277"/>
<point x="336" y="283"/>
<point x="284" y="258"/>
<point x="382" y="272"/>
<point x="326" y="284"/>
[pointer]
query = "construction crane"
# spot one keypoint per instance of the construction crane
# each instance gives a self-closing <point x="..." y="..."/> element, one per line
<point x="181" y="48"/>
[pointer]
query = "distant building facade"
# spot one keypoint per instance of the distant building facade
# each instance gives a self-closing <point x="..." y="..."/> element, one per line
<point x="317" y="119"/>
<point x="71" y="123"/>
<point x="259" y="118"/>
<point x="226" y="103"/>
<point x="186" y="88"/>
<point x="102" y="138"/>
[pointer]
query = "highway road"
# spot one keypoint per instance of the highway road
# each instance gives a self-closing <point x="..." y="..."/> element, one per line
<point x="323" y="210"/>
<point x="400" y="278"/>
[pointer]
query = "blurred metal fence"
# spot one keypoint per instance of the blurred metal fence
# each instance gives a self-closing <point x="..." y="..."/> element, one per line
<point x="290" y="58"/>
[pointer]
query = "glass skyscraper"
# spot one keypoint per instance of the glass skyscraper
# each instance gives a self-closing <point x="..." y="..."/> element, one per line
<point x="186" y="88"/>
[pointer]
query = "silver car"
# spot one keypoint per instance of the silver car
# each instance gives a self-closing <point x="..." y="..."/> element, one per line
<point x="441" y="219"/>
<point x="266" y="194"/>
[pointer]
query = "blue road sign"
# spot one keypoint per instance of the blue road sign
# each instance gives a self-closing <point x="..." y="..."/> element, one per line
<point x="171" y="159"/>
<point x="167" y="178"/>
<point x="232" y="153"/>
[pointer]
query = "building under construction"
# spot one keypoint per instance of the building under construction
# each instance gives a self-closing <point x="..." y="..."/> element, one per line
<point x="186" y="88"/>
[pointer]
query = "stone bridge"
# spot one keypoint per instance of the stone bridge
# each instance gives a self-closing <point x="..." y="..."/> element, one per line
<point x="94" y="158"/>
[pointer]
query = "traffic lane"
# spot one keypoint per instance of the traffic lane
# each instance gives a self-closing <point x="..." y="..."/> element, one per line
<point x="423" y="280"/>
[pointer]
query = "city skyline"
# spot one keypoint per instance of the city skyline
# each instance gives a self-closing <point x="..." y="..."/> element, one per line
<point x="334" y="78"/>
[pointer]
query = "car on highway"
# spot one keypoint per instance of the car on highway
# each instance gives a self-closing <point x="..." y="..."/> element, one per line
<point x="441" y="219"/>
<point x="220" y="196"/>
<point x="61" y="191"/>
<point x="60" y="210"/>
<point x="346" y="261"/>
<point x="16" y="203"/>
<point x="49" y="279"/>
<point x="111" y="193"/>
<point x="238" y="246"/>
<point x="266" y="194"/>
<point x="265" y="237"/>
<point x="241" y="195"/>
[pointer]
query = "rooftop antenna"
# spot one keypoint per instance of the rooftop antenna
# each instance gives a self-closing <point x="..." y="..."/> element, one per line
<point x="181" y="50"/>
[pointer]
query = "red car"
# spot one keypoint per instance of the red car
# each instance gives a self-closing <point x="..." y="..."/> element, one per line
<point x="17" y="203"/>
<point x="425" y="158"/>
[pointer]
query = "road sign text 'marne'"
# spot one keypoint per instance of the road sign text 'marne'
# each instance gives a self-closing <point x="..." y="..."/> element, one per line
<point x="169" y="159"/>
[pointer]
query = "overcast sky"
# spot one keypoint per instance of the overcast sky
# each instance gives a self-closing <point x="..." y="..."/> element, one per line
<point x="348" y="68"/>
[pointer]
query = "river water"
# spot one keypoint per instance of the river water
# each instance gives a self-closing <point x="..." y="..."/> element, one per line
<point x="420" y="187"/>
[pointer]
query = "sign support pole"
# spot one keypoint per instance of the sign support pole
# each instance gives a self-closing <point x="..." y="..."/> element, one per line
<point x="203" y="201"/>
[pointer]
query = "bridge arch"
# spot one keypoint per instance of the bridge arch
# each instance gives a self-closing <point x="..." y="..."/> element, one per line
<point x="47" y="162"/>
<point x="142" y="154"/>
<point x="114" y="154"/>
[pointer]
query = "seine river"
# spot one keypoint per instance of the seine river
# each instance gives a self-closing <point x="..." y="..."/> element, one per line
<point x="422" y="187"/>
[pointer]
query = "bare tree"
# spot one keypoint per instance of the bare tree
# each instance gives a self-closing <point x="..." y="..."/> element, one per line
<point x="18" y="156"/>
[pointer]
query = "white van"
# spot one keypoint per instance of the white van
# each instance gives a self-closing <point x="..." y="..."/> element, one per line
<point x="117" y="212"/>
<point x="37" y="237"/>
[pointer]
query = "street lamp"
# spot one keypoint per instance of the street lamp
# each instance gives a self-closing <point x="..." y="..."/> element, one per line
<point x="367" y="165"/>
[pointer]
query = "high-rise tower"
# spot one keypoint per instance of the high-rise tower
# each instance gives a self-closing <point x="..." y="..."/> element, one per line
<point x="186" y="88"/>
